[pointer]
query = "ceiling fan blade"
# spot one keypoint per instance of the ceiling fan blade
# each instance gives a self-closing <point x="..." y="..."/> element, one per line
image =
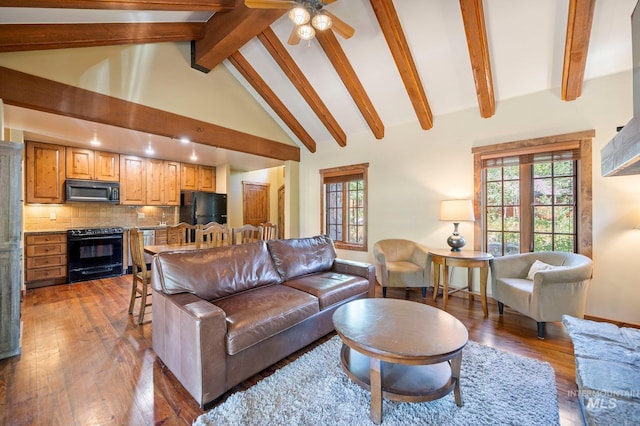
<point x="267" y="4"/>
<point x="341" y="27"/>
<point x="293" y="37"/>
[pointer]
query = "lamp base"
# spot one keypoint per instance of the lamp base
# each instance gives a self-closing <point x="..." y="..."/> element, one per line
<point x="455" y="240"/>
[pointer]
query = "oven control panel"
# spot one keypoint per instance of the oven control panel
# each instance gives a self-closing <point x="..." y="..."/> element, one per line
<point x="95" y="231"/>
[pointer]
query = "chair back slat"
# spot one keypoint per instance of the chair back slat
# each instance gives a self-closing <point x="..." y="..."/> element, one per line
<point x="269" y="231"/>
<point x="213" y="236"/>
<point x="247" y="234"/>
<point x="182" y="233"/>
<point x="136" y="245"/>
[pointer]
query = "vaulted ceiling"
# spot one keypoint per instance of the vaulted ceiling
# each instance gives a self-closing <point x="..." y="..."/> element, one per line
<point x="408" y="60"/>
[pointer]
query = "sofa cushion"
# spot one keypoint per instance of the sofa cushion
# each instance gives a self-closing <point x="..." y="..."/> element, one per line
<point x="217" y="272"/>
<point x="330" y="287"/>
<point x="300" y="256"/>
<point x="256" y="315"/>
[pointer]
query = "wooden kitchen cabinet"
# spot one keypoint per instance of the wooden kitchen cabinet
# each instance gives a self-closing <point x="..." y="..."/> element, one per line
<point x="45" y="170"/>
<point x="188" y="177"/>
<point x="163" y="182"/>
<point x="171" y="183"/>
<point x="45" y="259"/>
<point x="133" y="180"/>
<point x="206" y="178"/>
<point x="197" y="178"/>
<point x="80" y="163"/>
<point x="93" y="165"/>
<point x="155" y="182"/>
<point x="107" y="166"/>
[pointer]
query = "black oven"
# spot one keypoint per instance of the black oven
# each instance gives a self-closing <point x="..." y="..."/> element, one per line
<point x="94" y="253"/>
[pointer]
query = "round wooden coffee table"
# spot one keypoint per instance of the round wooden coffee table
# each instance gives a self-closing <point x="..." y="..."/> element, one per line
<point x="400" y="350"/>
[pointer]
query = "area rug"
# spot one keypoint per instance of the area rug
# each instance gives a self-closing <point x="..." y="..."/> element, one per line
<point x="497" y="388"/>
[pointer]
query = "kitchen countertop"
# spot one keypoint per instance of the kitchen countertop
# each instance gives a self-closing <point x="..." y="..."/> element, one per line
<point x="64" y="231"/>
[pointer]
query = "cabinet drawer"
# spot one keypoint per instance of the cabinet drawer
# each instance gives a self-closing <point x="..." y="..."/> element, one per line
<point x="46" y="249"/>
<point x="46" y="273"/>
<point x="46" y="239"/>
<point x="46" y="261"/>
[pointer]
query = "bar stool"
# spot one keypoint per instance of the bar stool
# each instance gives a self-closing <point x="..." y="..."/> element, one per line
<point x="141" y="275"/>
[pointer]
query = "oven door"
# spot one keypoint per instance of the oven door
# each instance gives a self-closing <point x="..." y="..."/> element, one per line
<point x="94" y="257"/>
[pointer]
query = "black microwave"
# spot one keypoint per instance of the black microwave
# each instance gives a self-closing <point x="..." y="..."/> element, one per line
<point x="92" y="191"/>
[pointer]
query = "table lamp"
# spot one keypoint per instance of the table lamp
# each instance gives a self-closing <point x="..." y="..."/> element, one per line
<point x="456" y="211"/>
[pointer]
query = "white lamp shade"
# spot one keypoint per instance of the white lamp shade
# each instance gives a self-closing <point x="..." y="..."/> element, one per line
<point x="306" y="32"/>
<point x="456" y="210"/>
<point x="321" y="22"/>
<point x="299" y="15"/>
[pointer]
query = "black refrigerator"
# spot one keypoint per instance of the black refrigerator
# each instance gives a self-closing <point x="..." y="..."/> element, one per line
<point x="199" y="208"/>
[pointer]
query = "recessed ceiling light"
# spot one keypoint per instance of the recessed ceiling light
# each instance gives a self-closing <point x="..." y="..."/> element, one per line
<point x="184" y="140"/>
<point x="95" y="141"/>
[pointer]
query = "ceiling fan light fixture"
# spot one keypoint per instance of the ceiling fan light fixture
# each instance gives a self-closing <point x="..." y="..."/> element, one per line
<point x="299" y="15"/>
<point x="321" y="22"/>
<point x="306" y="32"/>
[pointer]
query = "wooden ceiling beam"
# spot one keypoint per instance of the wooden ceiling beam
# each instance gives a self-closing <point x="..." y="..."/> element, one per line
<point x="227" y="32"/>
<point x="22" y="37"/>
<point x="177" y="5"/>
<point x="576" y="47"/>
<point x="474" y="28"/>
<point x="338" y="58"/>
<point x="393" y="33"/>
<point x="263" y="89"/>
<point x="299" y="80"/>
<point x="32" y="92"/>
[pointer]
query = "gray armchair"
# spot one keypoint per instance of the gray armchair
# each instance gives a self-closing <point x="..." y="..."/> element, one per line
<point x="550" y="294"/>
<point x="401" y="263"/>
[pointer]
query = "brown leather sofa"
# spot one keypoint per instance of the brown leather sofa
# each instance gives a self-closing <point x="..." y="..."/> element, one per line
<point x="222" y="315"/>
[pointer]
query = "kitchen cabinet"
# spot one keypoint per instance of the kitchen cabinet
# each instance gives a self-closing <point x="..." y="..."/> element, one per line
<point x="206" y="178"/>
<point x="10" y="251"/>
<point x="163" y="183"/>
<point x="133" y="180"/>
<point x="46" y="259"/>
<point x="80" y="163"/>
<point x="107" y="166"/>
<point x="197" y="178"/>
<point x="188" y="177"/>
<point x="45" y="170"/>
<point x="92" y="165"/>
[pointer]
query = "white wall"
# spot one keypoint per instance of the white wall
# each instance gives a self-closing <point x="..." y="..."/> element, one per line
<point x="411" y="170"/>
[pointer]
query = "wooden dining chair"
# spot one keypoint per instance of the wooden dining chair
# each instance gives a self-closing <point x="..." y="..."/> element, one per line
<point x="246" y="234"/>
<point x="182" y="233"/>
<point x="269" y="231"/>
<point x="213" y="236"/>
<point x="141" y="275"/>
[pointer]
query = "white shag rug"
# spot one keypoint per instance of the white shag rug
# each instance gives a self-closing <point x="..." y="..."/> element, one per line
<point x="498" y="388"/>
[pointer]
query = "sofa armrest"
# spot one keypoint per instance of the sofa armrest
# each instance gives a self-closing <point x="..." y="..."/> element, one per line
<point x="362" y="269"/>
<point x="189" y="337"/>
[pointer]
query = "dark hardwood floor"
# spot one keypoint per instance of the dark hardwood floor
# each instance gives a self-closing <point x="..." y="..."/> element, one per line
<point x="85" y="362"/>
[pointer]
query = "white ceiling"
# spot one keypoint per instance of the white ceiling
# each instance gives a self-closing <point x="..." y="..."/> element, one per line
<point x="526" y="43"/>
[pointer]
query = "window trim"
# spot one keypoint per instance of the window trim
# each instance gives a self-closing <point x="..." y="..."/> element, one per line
<point x="345" y="171"/>
<point x="582" y="141"/>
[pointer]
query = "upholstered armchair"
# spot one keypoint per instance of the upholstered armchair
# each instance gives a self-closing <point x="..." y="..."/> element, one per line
<point x="544" y="291"/>
<point x="401" y="263"/>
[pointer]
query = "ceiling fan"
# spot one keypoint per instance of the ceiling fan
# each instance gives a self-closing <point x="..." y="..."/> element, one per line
<point x="308" y="16"/>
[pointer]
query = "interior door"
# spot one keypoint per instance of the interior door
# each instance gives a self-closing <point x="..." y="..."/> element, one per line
<point x="255" y="203"/>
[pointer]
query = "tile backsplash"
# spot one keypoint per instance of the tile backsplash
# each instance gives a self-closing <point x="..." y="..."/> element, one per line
<point x="90" y="215"/>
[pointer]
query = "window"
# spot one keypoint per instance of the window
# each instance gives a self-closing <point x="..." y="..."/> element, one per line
<point x="534" y="195"/>
<point x="344" y="205"/>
